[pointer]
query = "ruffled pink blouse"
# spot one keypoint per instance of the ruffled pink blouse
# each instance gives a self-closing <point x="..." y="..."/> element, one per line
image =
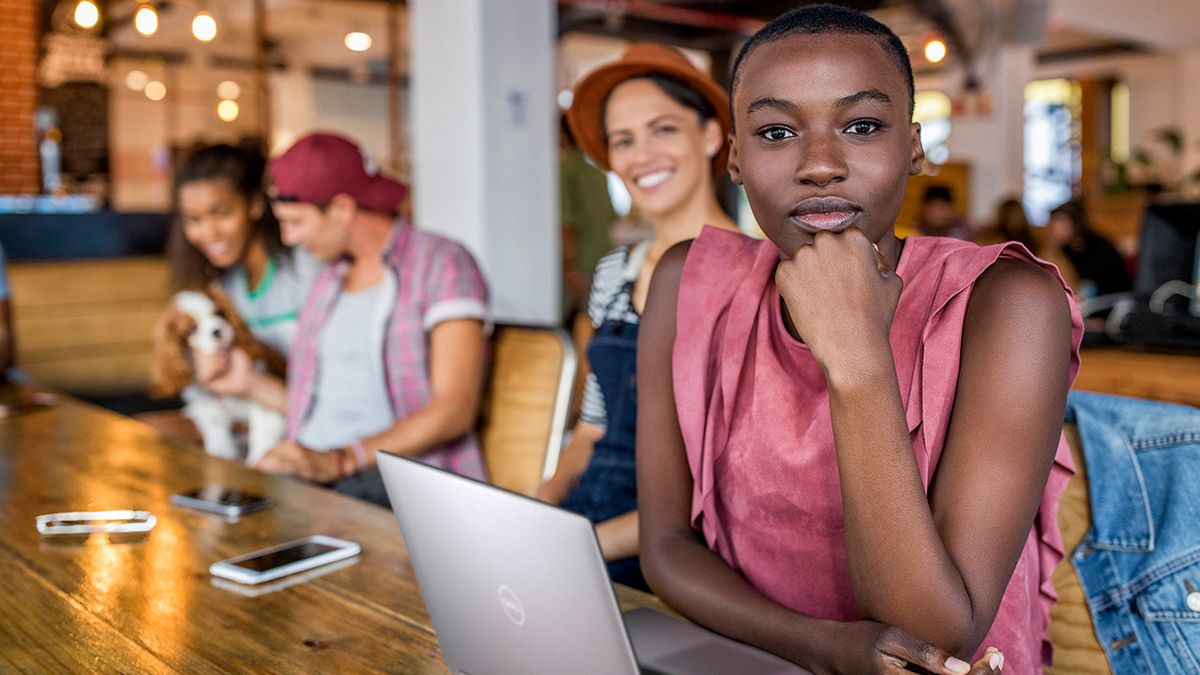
<point x="766" y="493"/>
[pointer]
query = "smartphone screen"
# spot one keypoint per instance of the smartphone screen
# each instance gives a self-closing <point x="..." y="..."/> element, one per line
<point x="286" y="556"/>
<point x="223" y="500"/>
<point x="224" y="496"/>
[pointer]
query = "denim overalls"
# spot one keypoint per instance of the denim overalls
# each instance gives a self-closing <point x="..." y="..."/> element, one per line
<point x="608" y="488"/>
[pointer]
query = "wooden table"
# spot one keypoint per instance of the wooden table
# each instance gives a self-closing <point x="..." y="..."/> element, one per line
<point x="1161" y="377"/>
<point x="150" y="605"/>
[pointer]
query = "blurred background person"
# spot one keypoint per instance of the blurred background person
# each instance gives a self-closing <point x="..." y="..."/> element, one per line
<point x="939" y="218"/>
<point x="1011" y="224"/>
<point x="661" y="125"/>
<point x="226" y="233"/>
<point x="391" y="346"/>
<point x="1097" y="265"/>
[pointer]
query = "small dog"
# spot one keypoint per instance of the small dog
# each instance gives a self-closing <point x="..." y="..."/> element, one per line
<point x="205" y="322"/>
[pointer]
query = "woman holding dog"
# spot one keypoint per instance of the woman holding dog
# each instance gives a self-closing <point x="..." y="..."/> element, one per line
<point x="226" y="241"/>
<point x="660" y="125"/>
<point x="226" y="234"/>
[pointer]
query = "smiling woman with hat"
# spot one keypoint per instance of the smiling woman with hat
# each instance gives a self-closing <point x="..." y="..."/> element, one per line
<point x="660" y="124"/>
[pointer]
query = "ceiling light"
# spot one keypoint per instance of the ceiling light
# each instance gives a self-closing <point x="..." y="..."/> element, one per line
<point x="87" y="14"/>
<point x="935" y="51"/>
<point x="155" y="90"/>
<point x="229" y="89"/>
<point x="145" y="20"/>
<point x="228" y="110"/>
<point x="204" y="27"/>
<point x="136" y="80"/>
<point x="357" y="41"/>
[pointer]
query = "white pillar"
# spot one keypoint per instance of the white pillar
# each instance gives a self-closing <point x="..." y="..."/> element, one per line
<point x="993" y="144"/>
<point x="1189" y="112"/>
<point x="293" y="106"/>
<point x="485" y="143"/>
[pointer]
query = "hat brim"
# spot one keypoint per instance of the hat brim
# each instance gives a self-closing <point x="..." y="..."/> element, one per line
<point x="586" y="114"/>
<point x="381" y="194"/>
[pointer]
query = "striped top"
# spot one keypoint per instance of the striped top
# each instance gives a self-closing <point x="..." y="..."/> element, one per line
<point x="611" y="300"/>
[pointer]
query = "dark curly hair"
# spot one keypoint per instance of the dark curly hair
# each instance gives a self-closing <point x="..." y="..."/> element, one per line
<point x="243" y="167"/>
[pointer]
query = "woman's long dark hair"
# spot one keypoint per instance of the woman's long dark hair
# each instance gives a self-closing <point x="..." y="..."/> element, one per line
<point x="243" y="168"/>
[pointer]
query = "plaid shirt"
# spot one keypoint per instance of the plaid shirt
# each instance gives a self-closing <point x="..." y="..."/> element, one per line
<point x="436" y="280"/>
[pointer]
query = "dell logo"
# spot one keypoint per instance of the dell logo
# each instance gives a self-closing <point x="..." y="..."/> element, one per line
<point x="511" y="604"/>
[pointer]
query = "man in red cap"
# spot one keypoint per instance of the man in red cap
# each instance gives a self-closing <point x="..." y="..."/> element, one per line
<point x="390" y="348"/>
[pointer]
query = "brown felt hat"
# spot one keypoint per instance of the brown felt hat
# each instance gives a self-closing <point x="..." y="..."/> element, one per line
<point x="586" y="114"/>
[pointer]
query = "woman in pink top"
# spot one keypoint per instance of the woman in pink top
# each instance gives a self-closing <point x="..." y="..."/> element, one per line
<point x="849" y="446"/>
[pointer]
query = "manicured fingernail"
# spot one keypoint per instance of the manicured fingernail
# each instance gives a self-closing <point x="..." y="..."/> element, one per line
<point x="997" y="661"/>
<point x="958" y="665"/>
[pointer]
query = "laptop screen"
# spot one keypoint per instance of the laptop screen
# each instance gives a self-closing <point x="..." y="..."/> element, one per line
<point x="1169" y="251"/>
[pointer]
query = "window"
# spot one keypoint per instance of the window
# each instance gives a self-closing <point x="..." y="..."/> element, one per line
<point x="1053" y="162"/>
<point x="932" y="111"/>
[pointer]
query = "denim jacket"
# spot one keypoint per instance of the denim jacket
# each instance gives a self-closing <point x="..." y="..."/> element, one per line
<point x="1140" y="561"/>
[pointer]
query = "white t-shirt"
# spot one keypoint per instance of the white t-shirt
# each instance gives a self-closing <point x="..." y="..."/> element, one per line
<point x="351" y="399"/>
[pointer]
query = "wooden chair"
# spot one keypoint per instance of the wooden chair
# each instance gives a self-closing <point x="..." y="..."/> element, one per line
<point x="1076" y="649"/>
<point x="525" y="405"/>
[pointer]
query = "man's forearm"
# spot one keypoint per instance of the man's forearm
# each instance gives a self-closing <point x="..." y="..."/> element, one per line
<point x="442" y="419"/>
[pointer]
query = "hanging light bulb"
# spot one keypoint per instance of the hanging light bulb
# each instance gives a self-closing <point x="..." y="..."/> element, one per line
<point x="155" y="90"/>
<point x="87" y="14"/>
<point x="357" y="41"/>
<point x="137" y="80"/>
<point x="204" y="27"/>
<point x="935" y="51"/>
<point x="145" y="20"/>
<point x="229" y="89"/>
<point x="228" y="110"/>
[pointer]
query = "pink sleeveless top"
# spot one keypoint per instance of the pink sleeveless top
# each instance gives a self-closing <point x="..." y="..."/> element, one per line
<point x="765" y="492"/>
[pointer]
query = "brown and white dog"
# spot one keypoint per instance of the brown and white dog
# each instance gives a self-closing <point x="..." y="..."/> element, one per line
<point x="205" y="322"/>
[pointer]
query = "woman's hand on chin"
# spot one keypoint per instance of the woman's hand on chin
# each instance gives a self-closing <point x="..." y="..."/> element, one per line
<point x="841" y="296"/>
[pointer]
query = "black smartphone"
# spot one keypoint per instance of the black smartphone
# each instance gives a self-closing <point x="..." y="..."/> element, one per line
<point x="222" y="500"/>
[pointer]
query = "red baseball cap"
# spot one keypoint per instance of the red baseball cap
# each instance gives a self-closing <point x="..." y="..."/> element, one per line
<point x="321" y="166"/>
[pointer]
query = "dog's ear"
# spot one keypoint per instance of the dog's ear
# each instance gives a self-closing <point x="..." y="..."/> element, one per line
<point x="276" y="362"/>
<point x="243" y="338"/>
<point x="171" y="371"/>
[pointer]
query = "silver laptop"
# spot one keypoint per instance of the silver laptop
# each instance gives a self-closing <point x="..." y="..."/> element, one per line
<point x="513" y="585"/>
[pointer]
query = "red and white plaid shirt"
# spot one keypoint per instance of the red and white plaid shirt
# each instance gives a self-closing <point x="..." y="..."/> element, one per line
<point x="436" y="280"/>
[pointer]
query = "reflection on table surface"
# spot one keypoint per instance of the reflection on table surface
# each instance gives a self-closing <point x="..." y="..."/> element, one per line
<point x="148" y="604"/>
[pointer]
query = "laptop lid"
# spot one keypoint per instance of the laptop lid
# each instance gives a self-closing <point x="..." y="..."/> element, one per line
<point x="512" y="585"/>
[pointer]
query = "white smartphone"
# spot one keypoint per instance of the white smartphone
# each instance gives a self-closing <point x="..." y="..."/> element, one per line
<point x="280" y="561"/>
<point x="225" y="501"/>
<point x="284" y="583"/>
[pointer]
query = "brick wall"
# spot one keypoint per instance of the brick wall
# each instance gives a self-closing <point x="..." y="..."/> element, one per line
<point x="19" y="166"/>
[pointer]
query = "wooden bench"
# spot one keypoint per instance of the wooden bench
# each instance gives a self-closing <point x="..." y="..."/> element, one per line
<point x="85" y="326"/>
